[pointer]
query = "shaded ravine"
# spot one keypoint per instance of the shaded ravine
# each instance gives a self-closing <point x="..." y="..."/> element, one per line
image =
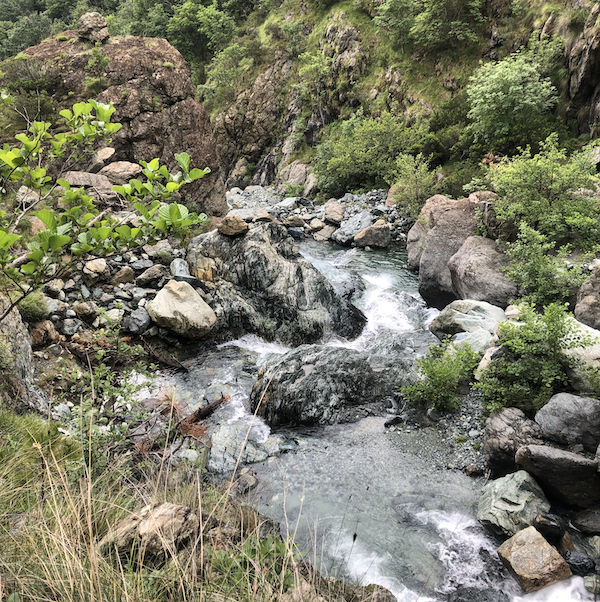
<point x="365" y="503"/>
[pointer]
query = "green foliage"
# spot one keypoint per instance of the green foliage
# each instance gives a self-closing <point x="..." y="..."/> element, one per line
<point x="361" y="153"/>
<point x="415" y="184"/>
<point x="444" y="23"/>
<point x="531" y="365"/>
<point x="511" y="100"/>
<point x="442" y="370"/>
<point x="314" y="73"/>
<point x="269" y="560"/>
<point x="541" y="190"/>
<point x="75" y="227"/>
<point x="545" y="276"/>
<point x="225" y="75"/>
<point x="200" y="31"/>
<point x="397" y="16"/>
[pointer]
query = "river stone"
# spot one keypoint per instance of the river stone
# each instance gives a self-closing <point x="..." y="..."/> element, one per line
<point x="579" y="563"/>
<point x="138" y="321"/>
<point x="476" y="274"/>
<point x="86" y="310"/>
<point x="567" y="477"/>
<point x="505" y="432"/>
<point x="587" y="521"/>
<point x="325" y="385"/>
<point x="570" y="420"/>
<point x="511" y="503"/>
<point x="466" y="316"/>
<point x="439" y="232"/>
<point x="120" y="172"/>
<point x="334" y="213"/>
<point x="293" y="221"/>
<point x="179" y="267"/>
<point x="87" y="180"/>
<point x="324" y="234"/>
<point x="43" y="334"/>
<point x="153" y="532"/>
<point x="532" y="561"/>
<point x="260" y="284"/>
<point x="152" y="276"/>
<point x="180" y="308"/>
<point x="230" y="442"/>
<point x="125" y="274"/>
<point x="378" y="235"/>
<point x="233" y="225"/>
<point x="357" y="223"/>
<point x="315" y="225"/>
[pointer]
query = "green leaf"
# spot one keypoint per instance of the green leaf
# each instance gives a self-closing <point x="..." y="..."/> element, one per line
<point x="183" y="160"/>
<point x="29" y="268"/>
<point x="47" y="217"/>
<point x="57" y="241"/>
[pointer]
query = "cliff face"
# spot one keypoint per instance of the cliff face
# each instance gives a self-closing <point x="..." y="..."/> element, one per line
<point x="150" y="86"/>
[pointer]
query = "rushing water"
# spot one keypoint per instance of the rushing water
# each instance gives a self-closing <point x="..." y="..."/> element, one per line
<point x="366" y="504"/>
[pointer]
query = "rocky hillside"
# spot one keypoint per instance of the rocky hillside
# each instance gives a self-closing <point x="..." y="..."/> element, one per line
<point x="147" y="81"/>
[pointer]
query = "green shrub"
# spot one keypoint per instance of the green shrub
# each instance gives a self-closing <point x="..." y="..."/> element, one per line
<point x="360" y="153"/>
<point x="442" y="370"/>
<point x="415" y="184"/>
<point x="531" y="366"/>
<point x="545" y="276"/>
<point x="541" y="190"/>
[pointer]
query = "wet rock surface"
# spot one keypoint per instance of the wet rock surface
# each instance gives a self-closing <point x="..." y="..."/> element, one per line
<point x="325" y="385"/>
<point x="259" y="283"/>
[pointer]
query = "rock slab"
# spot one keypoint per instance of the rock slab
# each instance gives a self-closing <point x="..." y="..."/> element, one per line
<point x="532" y="561"/>
<point x="180" y="308"/>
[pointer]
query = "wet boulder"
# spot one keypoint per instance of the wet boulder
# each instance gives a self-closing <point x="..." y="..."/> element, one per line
<point x="505" y="432"/>
<point x="326" y="385"/>
<point x="260" y="284"/>
<point x="579" y="563"/>
<point x="532" y="561"/>
<point x="569" y="478"/>
<point x="511" y="503"/>
<point x="466" y="316"/>
<point x="476" y="274"/>
<point x="569" y="419"/>
<point x="378" y="235"/>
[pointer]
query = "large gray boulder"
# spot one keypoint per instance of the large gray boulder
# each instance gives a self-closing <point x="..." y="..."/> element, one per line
<point x="511" y="503"/>
<point x="567" y="477"/>
<point x="505" y="432"/>
<point x="325" y="385"/>
<point x="178" y="307"/>
<point x="532" y="561"/>
<point x="475" y="270"/>
<point x="439" y="232"/>
<point x="356" y="224"/>
<point x="16" y="363"/>
<point x="260" y="284"/>
<point x="570" y="420"/>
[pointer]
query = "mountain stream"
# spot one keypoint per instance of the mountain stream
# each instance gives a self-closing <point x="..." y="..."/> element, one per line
<point x="365" y="503"/>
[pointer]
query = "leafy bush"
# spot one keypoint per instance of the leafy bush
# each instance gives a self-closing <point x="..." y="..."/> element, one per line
<point x="442" y="370"/>
<point x="361" y="153"/>
<point x="531" y="366"/>
<point x="511" y="102"/>
<point x="415" y="184"/>
<point x="548" y="192"/>
<point x="544" y="275"/>
<point x="444" y="23"/>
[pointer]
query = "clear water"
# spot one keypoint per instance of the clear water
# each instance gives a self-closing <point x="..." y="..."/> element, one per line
<point x="366" y="504"/>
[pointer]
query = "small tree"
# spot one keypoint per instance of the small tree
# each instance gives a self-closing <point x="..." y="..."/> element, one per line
<point x="511" y="102"/>
<point x="415" y="183"/>
<point x="76" y="226"/>
<point x="444" y="23"/>
<point x="397" y="16"/>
